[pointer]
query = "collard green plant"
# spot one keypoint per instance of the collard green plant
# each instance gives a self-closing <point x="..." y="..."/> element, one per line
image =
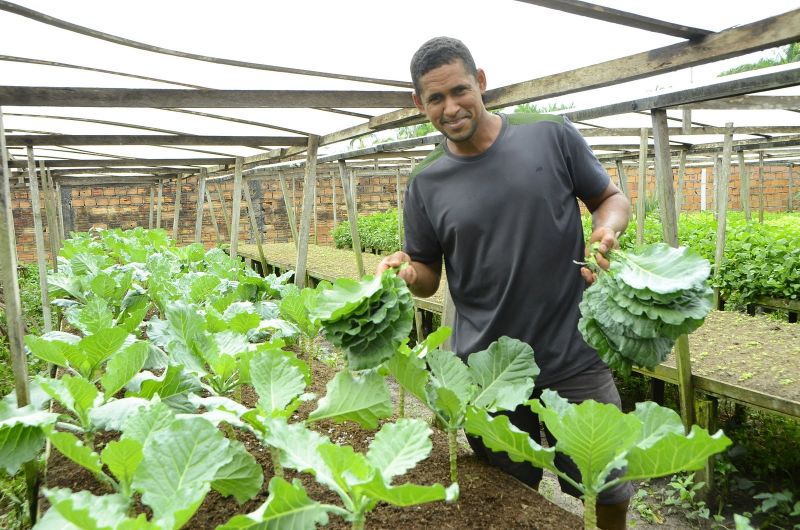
<point x="646" y="443"/>
<point x="635" y="311"/>
<point x="368" y="319"/>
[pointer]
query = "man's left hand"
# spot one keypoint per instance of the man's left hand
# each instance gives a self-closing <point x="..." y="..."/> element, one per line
<point x="607" y="239"/>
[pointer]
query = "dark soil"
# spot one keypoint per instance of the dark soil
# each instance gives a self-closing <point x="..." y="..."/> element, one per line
<point x="489" y="498"/>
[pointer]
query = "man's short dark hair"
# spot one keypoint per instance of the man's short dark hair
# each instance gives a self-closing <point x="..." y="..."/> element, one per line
<point x="437" y="52"/>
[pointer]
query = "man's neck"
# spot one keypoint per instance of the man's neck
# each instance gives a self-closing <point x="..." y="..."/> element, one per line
<point x="486" y="134"/>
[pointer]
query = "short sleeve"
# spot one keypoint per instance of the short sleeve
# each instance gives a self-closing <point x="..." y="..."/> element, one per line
<point x="421" y="242"/>
<point x="589" y="178"/>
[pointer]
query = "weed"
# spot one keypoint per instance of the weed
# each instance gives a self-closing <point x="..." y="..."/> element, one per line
<point x="779" y="507"/>
<point x="648" y="510"/>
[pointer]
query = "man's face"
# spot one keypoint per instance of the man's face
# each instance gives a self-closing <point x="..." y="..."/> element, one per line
<point x="451" y="98"/>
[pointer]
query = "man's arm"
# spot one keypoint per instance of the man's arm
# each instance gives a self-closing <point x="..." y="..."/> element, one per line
<point x="610" y="213"/>
<point x="422" y="279"/>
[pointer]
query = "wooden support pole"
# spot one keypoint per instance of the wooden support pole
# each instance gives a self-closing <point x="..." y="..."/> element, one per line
<point x="352" y="216"/>
<point x="254" y="229"/>
<point x="9" y="281"/>
<point x="213" y="217"/>
<point x="160" y="204"/>
<point x="622" y="178"/>
<point x="790" y="205"/>
<point x="722" y="210"/>
<point x="707" y="410"/>
<point x="686" y="121"/>
<point x="669" y="221"/>
<point x="60" y="205"/>
<point x="314" y="209"/>
<point x="151" y="210"/>
<point x="717" y="176"/>
<point x="223" y="207"/>
<point x="38" y="235"/>
<point x="309" y="188"/>
<point x="642" y="189"/>
<point x="399" y="207"/>
<point x="289" y="208"/>
<point x="176" y="218"/>
<point x="333" y="194"/>
<point x="51" y="215"/>
<point x="681" y="183"/>
<point x="761" y="186"/>
<point x="236" y="208"/>
<point x="744" y="187"/>
<point x="201" y="194"/>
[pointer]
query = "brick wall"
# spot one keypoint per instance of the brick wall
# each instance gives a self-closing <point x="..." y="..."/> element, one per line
<point x="129" y="206"/>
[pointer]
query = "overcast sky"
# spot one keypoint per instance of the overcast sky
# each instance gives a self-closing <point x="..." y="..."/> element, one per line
<point x="513" y="41"/>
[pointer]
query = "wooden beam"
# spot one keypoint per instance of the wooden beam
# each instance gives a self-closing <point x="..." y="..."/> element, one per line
<point x="767" y="33"/>
<point x="38" y="236"/>
<point x="51" y="215"/>
<point x="722" y="207"/>
<point x="160" y="205"/>
<point x="105" y="181"/>
<point x="213" y="217"/>
<point x="223" y="207"/>
<point x="62" y="233"/>
<point x="747" y="103"/>
<point x="352" y="216"/>
<point x="31" y="96"/>
<point x="790" y="205"/>
<point x="761" y="187"/>
<point x="632" y="131"/>
<point x="151" y="210"/>
<point x="177" y="215"/>
<point x="255" y="230"/>
<point x="681" y="183"/>
<point x="236" y="208"/>
<point x="615" y="16"/>
<point x="201" y="194"/>
<point x="309" y="187"/>
<point x="134" y="162"/>
<point x="642" y="186"/>
<point x="744" y="188"/>
<point x="150" y="139"/>
<point x="289" y="209"/>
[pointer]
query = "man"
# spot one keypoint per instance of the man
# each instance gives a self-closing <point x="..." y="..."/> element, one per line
<point x="497" y="200"/>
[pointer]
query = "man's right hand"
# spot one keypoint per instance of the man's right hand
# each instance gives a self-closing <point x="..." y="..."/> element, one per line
<point x="396" y="260"/>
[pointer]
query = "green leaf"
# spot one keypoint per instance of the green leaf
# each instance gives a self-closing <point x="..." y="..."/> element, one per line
<point x="92" y="317"/>
<point x="111" y="416"/>
<point x="123" y="458"/>
<point x="100" y="346"/>
<point x="498" y="434"/>
<point x="344" y="297"/>
<point x="74" y="393"/>
<point x="83" y="511"/>
<point x="276" y="381"/>
<point x="202" y="287"/>
<point x="662" y="268"/>
<point x="241" y="317"/>
<point x="362" y="398"/>
<point x="122" y="366"/>
<point x="288" y="506"/>
<point x="448" y="371"/>
<point x="407" y="494"/>
<point x="21" y="435"/>
<point x="242" y="477"/>
<point x="504" y="373"/>
<point x="147" y="421"/>
<point x="447" y="405"/>
<point x="399" y="446"/>
<point x="411" y="374"/>
<point x="103" y="286"/>
<point x="51" y="351"/>
<point x="74" y="449"/>
<point x="348" y="468"/>
<point x="432" y="341"/>
<point x="178" y="465"/>
<point x="173" y="387"/>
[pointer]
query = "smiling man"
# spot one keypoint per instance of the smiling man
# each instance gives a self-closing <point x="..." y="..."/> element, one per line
<point x="497" y="201"/>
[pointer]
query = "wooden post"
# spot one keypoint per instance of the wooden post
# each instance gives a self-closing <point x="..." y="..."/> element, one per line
<point x="177" y="216"/>
<point x="254" y="229"/>
<point x="333" y="188"/>
<point x="623" y="179"/>
<point x="38" y="235"/>
<point x="9" y="281"/>
<point x="151" y="211"/>
<point x="669" y="223"/>
<point x="289" y="209"/>
<point x="707" y="419"/>
<point x="399" y="207"/>
<point x="686" y="121"/>
<point x="309" y="187"/>
<point x="160" y="204"/>
<point x="50" y="213"/>
<point x="681" y="182"/>
<point x="744" y="187"/>
<point x="223" y="207"/>
<point x="717" y="175"/>
<point x="352" y="216"/>
<point x="790" y="204"/>
<point x="642" y="190"/>
<point x="213" y="217"/>
<point x="314" y="209"/>
<point x="237" y="206"/>
<point x="722" y="210"/>
<point x="761" y="186"/>
<point x="60" y="205"/>
<point x="201" y="194"/>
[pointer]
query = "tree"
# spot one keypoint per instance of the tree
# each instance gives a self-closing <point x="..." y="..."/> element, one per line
<point x="789" y="54"/>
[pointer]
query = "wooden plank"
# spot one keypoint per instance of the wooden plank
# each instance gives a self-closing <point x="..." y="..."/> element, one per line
<point x="790" y="176"/>
<point x="761" y="187"/>
<point x="706" y="412"/>
<point x="399" y="207"/>
<point x="213" y="217"/>
<point x="105" y="181"/>
<point x="686" y="119"/>
<point x="51" y="215"/>
<point x="176" y="217"/>
<point x="38" y="234"/>
<point x="60" y="203"/>
<point x="333" y="199"/>
<point x="767" y="33"/>
<point x="785" y="304"/>
<point x="201" y="195"/>
<point x="289" y="209"/>
<point x="254" y="229"/>
<point x="744" y="188"/>
<point x="748" y="102"/>
<point x="622" y="177"/>
<point x="722" y="209"/>
<point x="27" y="96"/>
<point x="681" y="183"/>
<point x="223" y="207"/>
<point x="616" y="16"/>
<point x="692" y="131"/>
<point x="309" y="188"/>
<point x="151" y="210"/>
<point x="134" y="162"/>
<point x="642" y="186"/>
<point x="236" y="208"/>
<point x="151" y="139"/>
<point x="352" y="216"/>
<point x="160" y="204"/>
<point x="669" y="222"/>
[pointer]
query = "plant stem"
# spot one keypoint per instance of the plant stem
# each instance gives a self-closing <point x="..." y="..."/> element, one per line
<point x="230" y="432"/>
<point x="589" y="512"/>
<point x="452" y="445"/>
<point x="277" y="468"/>
<point x="358" y="521"/>
<point x="402" y="403"/>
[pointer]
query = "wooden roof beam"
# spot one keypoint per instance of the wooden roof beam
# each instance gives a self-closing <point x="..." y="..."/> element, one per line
<point x="673" y="131"/>
<point x="133" y="162"/>
<point x="748" y="103"/>
<point x="151" y="139"/>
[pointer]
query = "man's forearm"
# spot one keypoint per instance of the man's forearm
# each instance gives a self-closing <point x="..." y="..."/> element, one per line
<point x="614" y="213"/>
<point x="427" y="279"/>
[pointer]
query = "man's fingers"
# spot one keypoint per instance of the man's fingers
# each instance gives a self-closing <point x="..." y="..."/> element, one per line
<point x="588" y="275"/>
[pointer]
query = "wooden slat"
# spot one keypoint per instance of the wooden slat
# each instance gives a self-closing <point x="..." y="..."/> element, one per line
<point x="150" y="139"/>
<point x="106" y="181"/>
<point x="60" y="203"/>
<point x="51" y="215"/>
<point x="761" y="187"/>
<point x="704" y="130"/>
<point x="681" y="183"/>
<point x="642" y="186"/>
<point x="254" y="228"/>
<point x="722" y="207"/>
<point x="38" y="235"/>
<point x="744" y="177"/>
<point x="26" y="96"/>
<point x="160" y="203"/>
<point x="790" y="176"/>
<point x="236" y="207"/>
<point x="289" y="208"/>
<point x="134" y="162"/>
<point x="352" y="216"/>
<point x="778" y="303"/>
<point x="309" y="187"/>
<point x="615" y="16"/>
<point x="747" y="103"/>
<point x="201" y="195"/>
<point x="176" y="217"/>
<point x="213" y="217"/>
<point x="151" y="210"/>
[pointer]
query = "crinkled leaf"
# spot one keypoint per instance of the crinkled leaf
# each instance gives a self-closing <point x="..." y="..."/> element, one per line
<point x="362" y="398"/>
<point x="504" y="373"/>
<point x="242" y="477"/>
<point x="345" y="296"/>
<point x="662" y="268"/>
<point x="399" y="446"/>
<point x="122" y="366"/>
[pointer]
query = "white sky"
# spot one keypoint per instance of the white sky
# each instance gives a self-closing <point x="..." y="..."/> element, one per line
<point x="513" y="41"/>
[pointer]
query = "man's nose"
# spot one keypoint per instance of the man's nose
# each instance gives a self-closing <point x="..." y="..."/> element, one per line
<point x="451" y="107"/>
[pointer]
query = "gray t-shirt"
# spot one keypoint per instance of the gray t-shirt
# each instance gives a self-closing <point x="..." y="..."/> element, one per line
<point x="507" y="223"/>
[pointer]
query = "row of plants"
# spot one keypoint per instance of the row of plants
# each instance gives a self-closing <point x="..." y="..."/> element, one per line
<point x="377" y="231"/>
<point x="160" y="341"/>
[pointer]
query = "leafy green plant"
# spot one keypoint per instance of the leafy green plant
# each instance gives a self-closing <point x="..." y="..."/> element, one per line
<point x="377" y="231"/>
<point x="779" y="506"/>
<point x="646" y="443"/>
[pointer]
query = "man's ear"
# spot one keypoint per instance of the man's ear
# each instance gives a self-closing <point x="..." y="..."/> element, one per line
<point x="480" y="76"/>
<point x="418" y="102"/>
